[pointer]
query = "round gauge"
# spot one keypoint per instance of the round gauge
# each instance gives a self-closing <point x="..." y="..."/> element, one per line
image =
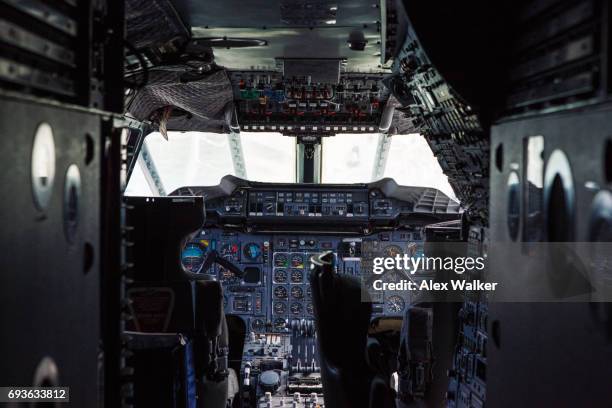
<point x="192" y="257"/>
<point x="297" y="292"/>
<point x="412" y="248"/>
<point x="392" y="276"/>
<point x="308" y="292"/>
<point x="257" y="325"/>
<point x="229" y="249"/>
<point x="280" y="276"/>
<point x="280" y="323"/>
<point x="297" y="261"/>
<point x="296" y="308"/>
<point x="280" y="260"/>
<point x="280" y="292"/>
<point x="395" y="304"/>
<point x="251" y="251"/>
<point x="227" y="276"/>
<point x="392" y="250"/>
<point x="297" y="276"/>
<point x="309" y="308"/>
<point x="279" y="307"/>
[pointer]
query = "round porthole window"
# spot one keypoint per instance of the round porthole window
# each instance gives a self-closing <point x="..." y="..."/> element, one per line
<point x="499" y="157"/>
<point x="513" y="188"/>
<point x="600" y="225"/>
<point x="42" y="168"/>
<point x="559" y="196"/>
<point x="72" y="202"/>
<point x="46" y="374"/>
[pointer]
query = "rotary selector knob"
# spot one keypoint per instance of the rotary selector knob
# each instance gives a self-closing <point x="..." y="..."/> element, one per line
<point x="269" y="381"/>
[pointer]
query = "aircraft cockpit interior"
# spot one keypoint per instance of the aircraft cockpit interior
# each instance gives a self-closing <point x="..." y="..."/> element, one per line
<point x="306" y="203"/>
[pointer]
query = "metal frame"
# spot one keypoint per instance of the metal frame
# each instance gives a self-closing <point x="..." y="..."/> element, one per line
<point x="308" y="159"/>
<point x="235" y="143"/>
<point x="145" y="160"/>
<point x="382" y="153"/>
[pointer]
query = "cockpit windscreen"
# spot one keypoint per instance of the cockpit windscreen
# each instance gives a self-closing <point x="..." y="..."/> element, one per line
<point x="202" y="159"/>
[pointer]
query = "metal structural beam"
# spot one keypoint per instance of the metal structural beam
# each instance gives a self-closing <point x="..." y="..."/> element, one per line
<point x="145" y="160"/>
<point x="382" y="153"/>
<point x="235" y="143"/>
<point x="308" y="159"/>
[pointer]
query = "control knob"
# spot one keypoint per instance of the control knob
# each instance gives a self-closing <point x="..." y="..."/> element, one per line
<point x="269" y="381"/>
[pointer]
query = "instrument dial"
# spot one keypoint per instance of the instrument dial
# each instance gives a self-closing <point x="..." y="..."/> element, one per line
<point x="392" y="250"/>
<point x="251" y="251"/>
<point x="280" y="276"/>
<point x="280" y="323"/>
<point x="297" y="276"/>
<point x="280" y="260"/>
<point x="297" y="292"/>
<point x="297" y="261"/>
<point x="192" y="257"/>
<point x="309" y="308"/>
<point x="230" y="249"/>
<point x="257" y="325"/>
<point x="395" y="304"/>
<point x="279" y="307"/>
<point x="296" y="308"/>
<point x="392" y="275"/>
<point x="280" y="292"/>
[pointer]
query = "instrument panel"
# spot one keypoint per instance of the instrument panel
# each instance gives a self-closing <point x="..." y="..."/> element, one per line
<point x="342" y="203"/>
<point x="271" y="232"/>
<point x="275" y="292"/>
<point x="358" y="208"/>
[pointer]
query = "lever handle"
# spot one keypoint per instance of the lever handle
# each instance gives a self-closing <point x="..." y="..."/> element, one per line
<point x="213" y="257"/>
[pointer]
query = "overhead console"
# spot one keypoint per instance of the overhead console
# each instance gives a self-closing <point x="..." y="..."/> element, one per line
<point x="294" y="103"/>
<point x="343" y="208"/>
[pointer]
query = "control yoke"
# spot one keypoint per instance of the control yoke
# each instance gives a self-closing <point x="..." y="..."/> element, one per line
<point x="213" y="257"/>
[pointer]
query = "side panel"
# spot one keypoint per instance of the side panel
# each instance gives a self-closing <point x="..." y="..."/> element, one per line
<point x="50" y="257"/>
<point x="547" y="354"/>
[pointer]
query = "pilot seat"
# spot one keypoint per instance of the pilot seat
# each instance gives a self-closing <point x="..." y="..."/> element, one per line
<point x="178" y="334"/>
<point x="349" y="368"/>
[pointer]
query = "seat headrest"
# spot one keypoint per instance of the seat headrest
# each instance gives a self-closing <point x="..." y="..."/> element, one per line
<point x="339" y="312"/>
